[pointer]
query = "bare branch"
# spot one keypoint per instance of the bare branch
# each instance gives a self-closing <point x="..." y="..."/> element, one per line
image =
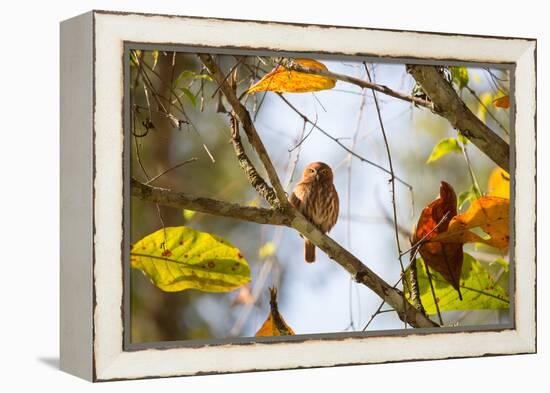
<point x="362" y="273"/>
<point x="292" y="218"/>
<point x="192" y="159"/>
<point x="248" y="126"/>
<point x="337" y="140"/>
<point x="392" y="180"/>
<point x="449" y="105"/>
<point x="181" y="200"/>
<point x="287" y="216"/>
<point x="254" y="178"/>
<point x="292" y="65"/>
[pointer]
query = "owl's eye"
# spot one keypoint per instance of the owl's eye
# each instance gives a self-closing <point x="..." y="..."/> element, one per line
<point x="311" y="170"/>
<point x="324" y="171"/>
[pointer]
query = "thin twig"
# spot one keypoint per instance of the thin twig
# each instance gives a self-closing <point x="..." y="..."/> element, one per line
<point x="303" y="138"/>
<point x="170" y="169"/>
<point x="420" y="242"/>
<point x="244" y="117"/>
<point x="392" y="181"/>
<point x="348" y="196"/>
<point x="436" y="302"/>
<point x="337" y="140"/>
<point x="259" y="184"/>
<point x="475" y="184"/>
<point x="379" y="308"/>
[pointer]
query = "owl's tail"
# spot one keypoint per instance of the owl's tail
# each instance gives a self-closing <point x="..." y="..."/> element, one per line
<point x="309" y="251"/>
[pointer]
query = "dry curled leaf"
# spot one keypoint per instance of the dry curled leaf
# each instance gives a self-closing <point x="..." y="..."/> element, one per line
<point x="282" y="80"/>
<point x="490" y="214"/>
<point x="502" y="102"/>
<point x="274" y="325"/>
<point x="444" y="258"/>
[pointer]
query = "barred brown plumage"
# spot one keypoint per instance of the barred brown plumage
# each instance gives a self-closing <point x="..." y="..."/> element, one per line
<point x="316" y="198"/>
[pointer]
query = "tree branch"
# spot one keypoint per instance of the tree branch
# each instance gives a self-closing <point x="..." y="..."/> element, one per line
<point x="340" y="255"/>
<point x="449" y="105"/>
<point x="292" y="65"/>
<point x="248" y="126"/>
<point x="181" y="200"/>
<point x="443" y="101"/>
<point x="254" y="178"/>
<point x="360" y="272"/>
<point x="292" y="218"/>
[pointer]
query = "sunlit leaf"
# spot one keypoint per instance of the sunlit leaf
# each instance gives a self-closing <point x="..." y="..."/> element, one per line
<point x="444" y="147"/>
<point x="483" y="287"/>
<point x="502" y="102"/>
<point x="185" y="74"/>
<point x="460" y="76"/>
<point x="486" y="99"/>
<point x="274" y="325"/>
<point x="282" y="80"/>
<point x="488" y="213"/>
<point x="188" y="214"/>
<point x="178" y="258"/>
<point x="499" y="183"/>
<point x="267" y="250"/>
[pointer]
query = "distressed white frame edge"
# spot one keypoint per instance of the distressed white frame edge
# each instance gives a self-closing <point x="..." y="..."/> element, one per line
<point x="110" y="33"/>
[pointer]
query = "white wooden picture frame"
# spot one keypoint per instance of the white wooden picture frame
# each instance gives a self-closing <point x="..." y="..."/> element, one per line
<point x="92" y="195"/>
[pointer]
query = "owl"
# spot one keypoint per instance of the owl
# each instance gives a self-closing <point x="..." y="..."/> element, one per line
<point x="316" y="198"/>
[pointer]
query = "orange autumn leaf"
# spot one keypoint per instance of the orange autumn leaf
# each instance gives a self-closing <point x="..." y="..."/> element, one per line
<point x="499" y="183"/>
<point x="502" y="102"/>
<point x="444" y="258"/>
<point x="274" y="325"/>
<point x="282" y="80"/>
<point x="489" y="213"/>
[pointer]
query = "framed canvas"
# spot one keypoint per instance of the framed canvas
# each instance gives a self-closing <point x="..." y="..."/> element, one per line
<point x="247" y="195"/>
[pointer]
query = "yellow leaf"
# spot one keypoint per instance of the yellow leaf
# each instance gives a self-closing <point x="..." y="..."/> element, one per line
<point x="499" y="183"/>
<point x="178" y="258"/>
<point x="274" y="325"/>
<point x="188" y="214"/>
<point x="489" y="213"/>
<point x="282" y="80"/>
<point x="267" y="250"/>
<point x="486" y="99"/>
<point x="502" y="102"/>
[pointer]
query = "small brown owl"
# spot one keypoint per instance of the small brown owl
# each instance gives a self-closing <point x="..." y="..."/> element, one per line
<point x="316" y="198"/>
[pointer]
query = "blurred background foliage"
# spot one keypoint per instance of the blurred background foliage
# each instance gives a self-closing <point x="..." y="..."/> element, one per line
<point x="317" y="298"/>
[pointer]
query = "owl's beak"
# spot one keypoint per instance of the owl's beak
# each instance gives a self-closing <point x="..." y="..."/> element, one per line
<point x="317" y="176"/>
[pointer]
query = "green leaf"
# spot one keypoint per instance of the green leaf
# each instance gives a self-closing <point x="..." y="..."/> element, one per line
<point x="190" y="74"/>
<point x="460" y="76"/>
<point x="190" y="96"/>
<point x="188" y="214"/>
<point x="444" y="147"/>
<point x="465" y="197"/>
<point x="267" y="250"/>
<point x="483" y="287"/>
<point x="178" y="258"/>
